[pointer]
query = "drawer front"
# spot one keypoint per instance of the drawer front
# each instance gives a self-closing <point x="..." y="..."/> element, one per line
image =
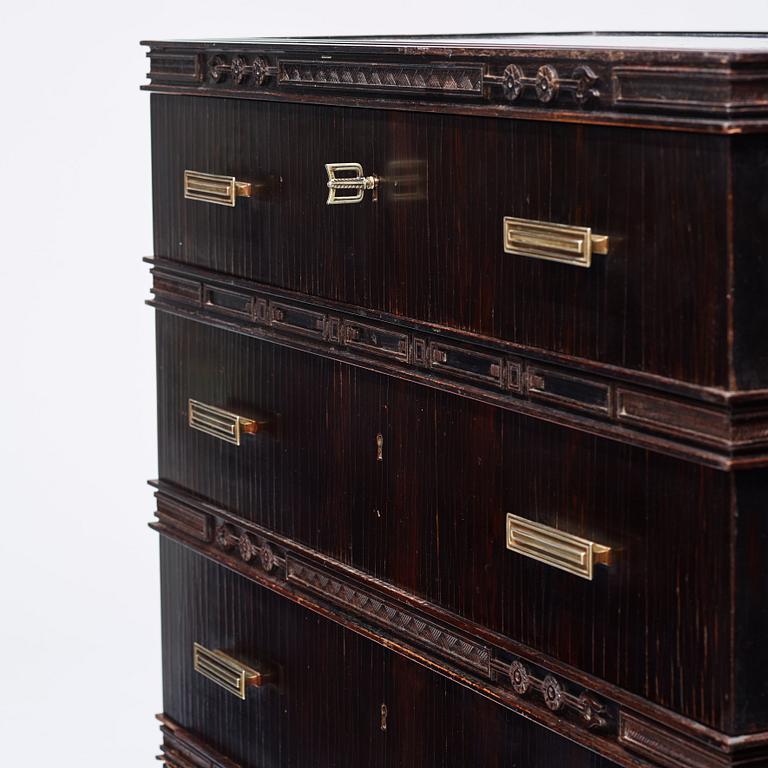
<point x="465" y="226"/>
<point x="595" y="553"/>
<point x="336" y="700"/>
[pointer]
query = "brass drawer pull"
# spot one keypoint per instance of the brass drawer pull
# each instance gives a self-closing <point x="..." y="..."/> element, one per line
<point x="219" y="190"/>
<point x="561" y="550"/>
<point x="229" y="673"/>
<point x="219" y="423"/>
<point x="552" y="242"/>
<point x="357" y="184"/>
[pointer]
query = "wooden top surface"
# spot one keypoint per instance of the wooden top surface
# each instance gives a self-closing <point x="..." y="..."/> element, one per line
<point x="701" y="42"/>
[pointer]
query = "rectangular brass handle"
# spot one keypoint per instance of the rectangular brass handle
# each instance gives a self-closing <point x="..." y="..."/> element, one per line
<point x="561" y="550"/>
<point x="228" y="672"/>
<point x="217" y="422"/>
<point x="211" y="188"/>
<point x="553" y="242"/>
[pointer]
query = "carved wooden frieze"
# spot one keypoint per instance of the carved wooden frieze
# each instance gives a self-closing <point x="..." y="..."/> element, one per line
<point x="716" y="433"/>
<point x="371" y="606"/>
<point x="453" y="79"/>
<point x="240" y="69"/>
<point x="598" y="715"/>
<point x="661" y="746"/>
<point x="635" y="87"/>
<point x="527" y="679"/>
<point x="548" y="84"/>
<point x="182" y="749"/>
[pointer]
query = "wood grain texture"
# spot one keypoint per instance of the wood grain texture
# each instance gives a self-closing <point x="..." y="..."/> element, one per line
<point x="656" y="303"/>
<point x="713" y="427"/>
<point x="326" y="710"/>
<point x="576" y="705"/>
<point x="750" y="262"/>
<point x="430" y="516"/>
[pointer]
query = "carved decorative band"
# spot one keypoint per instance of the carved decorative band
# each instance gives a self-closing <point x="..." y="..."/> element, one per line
<point x="423" y="632"/>
<point x="693" y="89"/>
<point x="384" y="612"/>
<point x="175" y="67"/>
<point x="546" y="84"/>
<point x="239" y="69"/>
<point x="350" y="596"/>
<point x="181" y="749"/>
<point x="692" y="94"/>
<point x="453" y="79"/>
<point x="709" y="433"/>
<point x="525" y="679"/>
<point x="663" y="747"/>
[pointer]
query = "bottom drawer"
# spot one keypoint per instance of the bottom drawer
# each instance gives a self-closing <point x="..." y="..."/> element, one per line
<point x="336" y="700"/>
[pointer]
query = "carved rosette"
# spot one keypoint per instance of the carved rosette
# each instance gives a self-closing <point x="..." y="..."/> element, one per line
<point x="250" y="548"/>
<point x="554" y="693"/>
<point x="247" y="548"/>
<point x="547" y="83"/>
<point x="267" y="557"/>
<point x="225" y="537"/>
<point x="518" y="677"/>
<point x="239" y="69"/>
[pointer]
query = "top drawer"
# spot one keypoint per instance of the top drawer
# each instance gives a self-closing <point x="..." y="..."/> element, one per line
<point x="429" y="242"/>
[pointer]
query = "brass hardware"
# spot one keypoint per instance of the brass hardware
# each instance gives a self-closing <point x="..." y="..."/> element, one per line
<point x="553" y="242"/>
<point x="219" y="423"/>
<point x="219" y="190"/>
<point x="357" y="183"/>
<point x="561" y="550"/>
<point x="379" y="447"/>
<point x="229" y="673"/>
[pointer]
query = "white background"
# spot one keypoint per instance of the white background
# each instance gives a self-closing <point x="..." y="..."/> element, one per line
<point x="79" y="609"/>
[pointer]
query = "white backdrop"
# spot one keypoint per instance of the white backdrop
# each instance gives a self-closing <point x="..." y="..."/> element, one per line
<point x="79" y="638"/>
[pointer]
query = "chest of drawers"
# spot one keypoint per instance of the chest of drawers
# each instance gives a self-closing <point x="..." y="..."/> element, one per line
<point x="463" y="400"/>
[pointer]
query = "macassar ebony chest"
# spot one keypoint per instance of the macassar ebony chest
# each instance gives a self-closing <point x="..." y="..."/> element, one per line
<point x="462" y="400"/>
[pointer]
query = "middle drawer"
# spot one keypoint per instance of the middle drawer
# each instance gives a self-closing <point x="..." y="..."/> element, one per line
<point x="415" y="487"/>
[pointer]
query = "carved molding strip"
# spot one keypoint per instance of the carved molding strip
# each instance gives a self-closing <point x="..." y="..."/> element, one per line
<point x="182" y="749"/>
<point x="663" y="747"/>
<point x="453" y="79"/>
<point x="384" y="612"/>
<point x="547" y="84"/>
<point x="709" y="433"/>
<point x="522" y="82"/>
<point x="525" y="679"/>
<point x="694" y="89"/>
<point x="516" y="680"/>
<point x="174" y="67"/>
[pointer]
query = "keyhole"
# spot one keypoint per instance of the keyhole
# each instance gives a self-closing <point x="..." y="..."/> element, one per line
<point x="383" y="717"/>
<point x="379" y="447"/>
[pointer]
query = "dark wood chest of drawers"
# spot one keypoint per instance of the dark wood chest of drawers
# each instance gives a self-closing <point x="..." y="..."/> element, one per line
<point x="463" y="401"/>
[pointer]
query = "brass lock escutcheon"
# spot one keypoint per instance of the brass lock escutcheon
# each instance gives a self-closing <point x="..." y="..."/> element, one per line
<point x="552" y="242"/>
<point x="224" y="670"/>
<point x="211" y="188"/>
<point x="350" y="186"/>
<point x="553" y="547"/>
<point x="217" y="422"/>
